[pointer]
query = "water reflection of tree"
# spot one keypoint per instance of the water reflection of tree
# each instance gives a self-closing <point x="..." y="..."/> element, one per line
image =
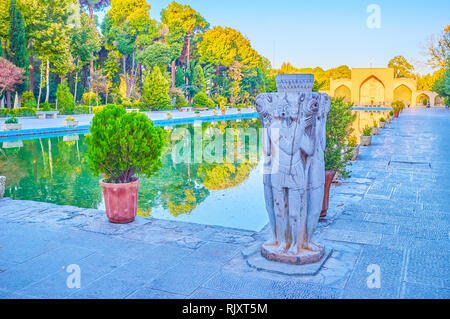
<point x="180" y="188"/>
<point x="10" y="167"/>
<point x="52" y="171"/>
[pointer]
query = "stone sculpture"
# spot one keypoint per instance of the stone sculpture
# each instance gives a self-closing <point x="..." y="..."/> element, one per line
<point x="294" y="123"/>
<point x="2" y="186"/>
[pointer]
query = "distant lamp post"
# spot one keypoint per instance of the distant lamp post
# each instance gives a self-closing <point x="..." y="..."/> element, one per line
<point x="89" y="80"/>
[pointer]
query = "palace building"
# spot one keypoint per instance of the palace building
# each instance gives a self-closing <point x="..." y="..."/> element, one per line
<point x="378" y="86"/>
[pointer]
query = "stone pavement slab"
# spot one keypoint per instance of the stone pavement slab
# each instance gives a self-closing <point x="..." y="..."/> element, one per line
<point x="391" y="215"/>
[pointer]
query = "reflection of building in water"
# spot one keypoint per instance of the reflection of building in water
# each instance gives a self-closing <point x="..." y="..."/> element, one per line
<point x="378" y="86"/>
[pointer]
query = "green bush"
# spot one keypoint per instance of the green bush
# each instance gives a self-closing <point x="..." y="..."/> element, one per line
<point x="138" y="105"/>
<point x="180" y="101"/>
<point x="398" y="105"/>
<point x="86" y="98"/>
<point x="122" y="145"/>
<point x="81" y="109"/>
<point x="339" y="129"/>
<point x="12" y="120"/>
<point x="47" y="107"/>
<point x="66" y="102"/>
<point x="28" y="100"/>
<point x="155" y="90"/>
<point x="201" y="100"/>
<point x="211" y="104"/>
<point x="17" y="112"/>
<point x="367" y="131"/>
<point x="352" y="141"/>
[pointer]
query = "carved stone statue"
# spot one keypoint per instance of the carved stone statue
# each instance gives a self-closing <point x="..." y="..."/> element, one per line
<point x="294" y="122"/>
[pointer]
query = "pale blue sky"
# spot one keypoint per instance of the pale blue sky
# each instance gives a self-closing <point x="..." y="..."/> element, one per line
<point x="327" y="33"/>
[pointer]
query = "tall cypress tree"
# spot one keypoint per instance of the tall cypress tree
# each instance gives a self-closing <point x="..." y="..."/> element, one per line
<point x="17" y="43"/>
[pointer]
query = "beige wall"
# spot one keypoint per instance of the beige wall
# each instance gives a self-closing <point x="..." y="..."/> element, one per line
<point x="379" y="85"/>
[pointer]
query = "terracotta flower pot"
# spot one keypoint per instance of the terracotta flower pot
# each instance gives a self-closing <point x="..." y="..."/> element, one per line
<point x="223" y="112"/>
<point x="329" y="176"/>
<point x="396" y="113"/>
<point x="121" y="201"/>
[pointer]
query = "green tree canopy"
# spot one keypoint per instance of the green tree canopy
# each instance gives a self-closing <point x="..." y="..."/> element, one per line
<point x="155" y="91"/>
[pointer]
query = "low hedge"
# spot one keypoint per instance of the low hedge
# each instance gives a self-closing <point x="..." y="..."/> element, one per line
<point x="17" y="112"/>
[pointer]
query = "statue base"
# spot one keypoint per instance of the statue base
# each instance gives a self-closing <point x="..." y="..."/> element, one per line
<point x="255" y="260"/>
<point x="303" y="258"/>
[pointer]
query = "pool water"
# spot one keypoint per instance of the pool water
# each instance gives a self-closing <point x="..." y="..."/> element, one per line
<point x="229" y="194"/>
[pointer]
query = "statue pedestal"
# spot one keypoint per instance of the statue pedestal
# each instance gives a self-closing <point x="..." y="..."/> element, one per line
<point x="304" y="257"/>
<point x="256" y="260"/>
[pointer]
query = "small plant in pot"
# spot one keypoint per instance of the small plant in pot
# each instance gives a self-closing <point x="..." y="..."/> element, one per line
<point x="337" y="153"/>
<point x="382" y="122"/>
<point x="70" y="122"/>
<point x="375" y="128"/>
<point x="12" y="124"/>
<point x="366" y="138"/>
<point x="121" y="146"/>
<point x="398" y="107"/>
<point x="223" y="109"/>
<point x="354" y="147"/>
<point x="168" y="116"/>
<point x="391" y="116"/>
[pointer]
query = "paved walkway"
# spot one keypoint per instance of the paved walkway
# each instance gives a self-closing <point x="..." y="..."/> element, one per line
<point x="85" y="119"/>
<point x="391" y="216"/>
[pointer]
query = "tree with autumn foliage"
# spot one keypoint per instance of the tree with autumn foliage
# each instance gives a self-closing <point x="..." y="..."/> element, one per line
<point x="10" y="77"/>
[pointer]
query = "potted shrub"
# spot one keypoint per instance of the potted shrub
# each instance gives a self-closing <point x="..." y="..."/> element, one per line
<point x="196" y="113"/>
<point x="223" y="109"/>
<point x="238" y="110"/>
<point x="366" y="137"/>
<point x="122" y="145"/>
<point x="168" y="116"/>
<point x="12" y="124"/>
<point x="391" y="116"/>
<point x="70" y="122"/>
<point x="398" y="107"/>
<point x="214" y="112"/>
<point x="375" y="128"/>
<point x="382" y="122"/>
<point x="354" y="147"/>
<point x="337" y="153"/>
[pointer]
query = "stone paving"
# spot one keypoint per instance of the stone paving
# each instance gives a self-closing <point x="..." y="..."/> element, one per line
<point x="393" y="213"/>
<point x="85" y="119"/>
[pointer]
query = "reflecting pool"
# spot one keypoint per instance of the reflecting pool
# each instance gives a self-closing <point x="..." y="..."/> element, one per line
<point x="222" y="186"/>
